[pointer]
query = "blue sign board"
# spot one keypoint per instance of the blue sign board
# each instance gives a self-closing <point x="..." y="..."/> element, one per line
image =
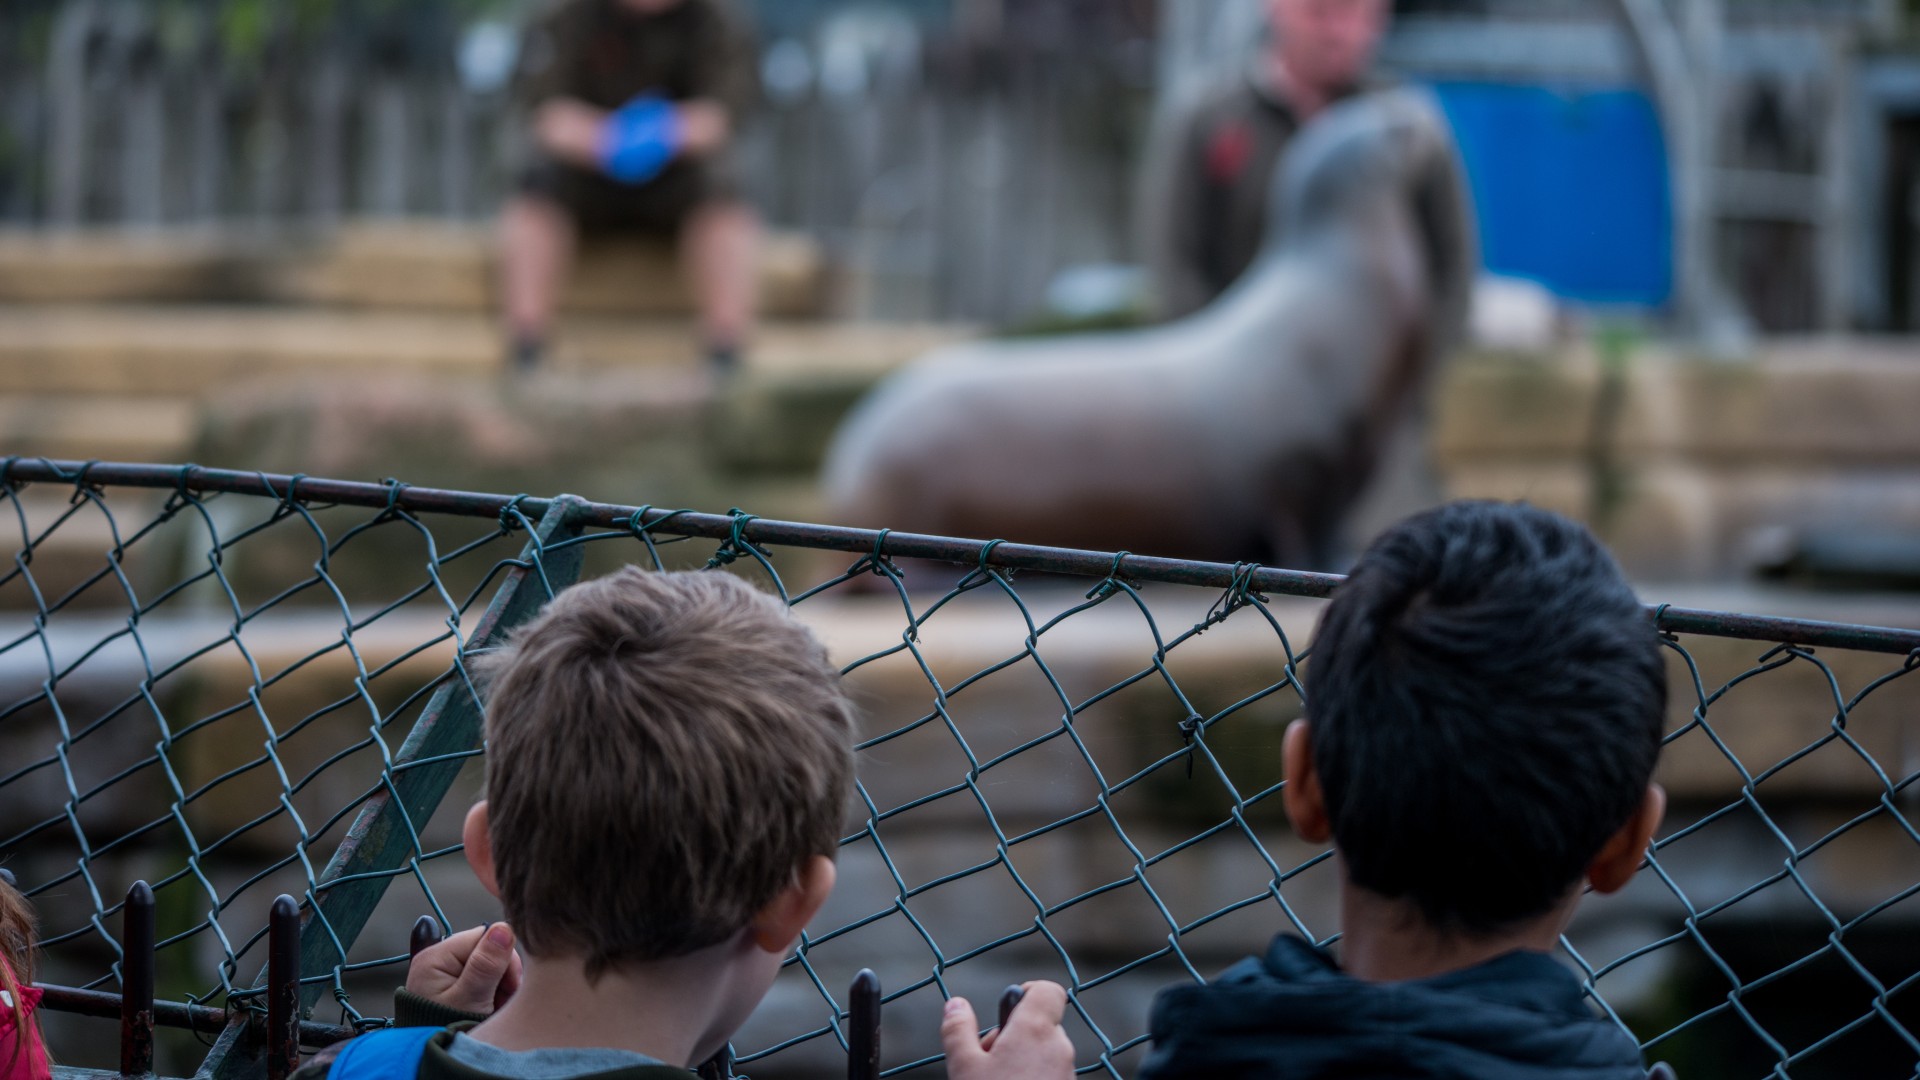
<point x="1571" y="186"/>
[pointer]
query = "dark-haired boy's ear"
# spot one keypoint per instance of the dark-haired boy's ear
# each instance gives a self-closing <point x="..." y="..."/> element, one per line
<point x="1620" y="859"/>
<point x="479" y="847"/>
<point x="778" y="925"/>
<point x="1306" y="803"/>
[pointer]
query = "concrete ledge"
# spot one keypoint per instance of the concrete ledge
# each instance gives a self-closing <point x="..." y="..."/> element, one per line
<point x="401" y="264"/>
<point x="1826" y="399"/>
<point x="194" y="351"/>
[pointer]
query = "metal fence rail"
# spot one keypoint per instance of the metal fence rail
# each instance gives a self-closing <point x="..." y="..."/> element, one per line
<point x="234" y="685"/>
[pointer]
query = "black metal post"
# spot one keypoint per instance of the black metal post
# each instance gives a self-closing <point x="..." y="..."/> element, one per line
<point x="283" y="989"/>
<point x="863" y="1027"/>
<point x="174" y="1014"/>
<point x="426" y="933"/>
<point x="1008" y="999"/>
<point x="136" y="982"/>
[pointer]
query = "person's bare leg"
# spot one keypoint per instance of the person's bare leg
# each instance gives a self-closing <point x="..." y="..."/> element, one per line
<point x="720" y="251"/>
<point x="537" y="239"/>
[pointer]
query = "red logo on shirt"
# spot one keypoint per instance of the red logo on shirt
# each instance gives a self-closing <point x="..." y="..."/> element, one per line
<point x="1227" y="154"/>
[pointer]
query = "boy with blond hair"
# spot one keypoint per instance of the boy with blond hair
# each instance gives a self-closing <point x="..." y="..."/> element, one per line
<point x="669" y="765"/>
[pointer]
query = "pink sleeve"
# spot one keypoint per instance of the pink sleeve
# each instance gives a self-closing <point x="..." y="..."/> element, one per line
<point x="23" y="1056"/>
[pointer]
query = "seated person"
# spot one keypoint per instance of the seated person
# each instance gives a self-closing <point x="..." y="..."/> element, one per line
<point x="1485" y="700"/>
<point x="669" y="766"/>
<point x="633" y="106"/>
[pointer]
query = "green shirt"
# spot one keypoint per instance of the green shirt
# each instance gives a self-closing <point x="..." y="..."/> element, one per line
<point x="604" y="54"/>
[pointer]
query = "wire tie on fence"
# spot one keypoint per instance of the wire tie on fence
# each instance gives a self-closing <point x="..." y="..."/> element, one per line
<point x="736" y="544"/>
<point x="394" y="486"/>
<point x="1660" y="616"/>
<point x="876" y="562"/>
<point x="290" y="499"/>
<point x="510" y="516"/>
<point x="1240" y="593"/>
<point x="80" y="486"/>
<point x="181" y="495"/>
<point x="1913" y="661"/>
<point x="637" y="521"/>
<point x="986" y="553"/>
<point x="1189" y="731"/>
<point x="1111" y="583"/>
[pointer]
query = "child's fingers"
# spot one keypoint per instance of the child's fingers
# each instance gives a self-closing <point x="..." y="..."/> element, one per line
<point x="454" y="949"/>
<point x="1039" y="1012"/>
<point x="960" y="1035"/>
<point x="488" y="966"/>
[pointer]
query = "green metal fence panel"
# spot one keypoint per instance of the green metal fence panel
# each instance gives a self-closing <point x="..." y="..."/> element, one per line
<point x="234" y="684"/>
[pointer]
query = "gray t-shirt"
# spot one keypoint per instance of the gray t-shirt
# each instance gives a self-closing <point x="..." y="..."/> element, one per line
<point x="554" y="1063"/>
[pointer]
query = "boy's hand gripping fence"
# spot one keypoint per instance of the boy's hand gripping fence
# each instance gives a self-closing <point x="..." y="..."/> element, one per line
<point x="235" y="685"/>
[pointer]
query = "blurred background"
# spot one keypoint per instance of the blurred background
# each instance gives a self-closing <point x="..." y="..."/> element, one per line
<point x="201" y="200"/>
<point x="259" y="234"/>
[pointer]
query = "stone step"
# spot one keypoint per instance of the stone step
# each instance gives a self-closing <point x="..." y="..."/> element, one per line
<point x="401" y="264"/>
<point x="107" y="427"/>
<point x="194" y="351"/>
<point x="1798" y="401"/>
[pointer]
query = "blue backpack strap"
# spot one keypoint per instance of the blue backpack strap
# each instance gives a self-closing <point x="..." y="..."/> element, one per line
<point x="387" y="1054"/>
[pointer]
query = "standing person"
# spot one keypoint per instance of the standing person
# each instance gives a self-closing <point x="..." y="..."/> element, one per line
<point x="633" y="106"/>
<point x="1213" y="159"/>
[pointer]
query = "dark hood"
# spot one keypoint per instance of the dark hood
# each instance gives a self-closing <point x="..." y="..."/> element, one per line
<point x="1294" y="1014"/>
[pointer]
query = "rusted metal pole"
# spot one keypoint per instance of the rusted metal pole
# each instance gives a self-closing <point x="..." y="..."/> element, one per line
<point x="1770" y="629"/>
<point x="863" y="1027"/>
<point x="173" y="1014"/>
<point x="283" y="989"/>
<point x="136" y="982"/>
<point x="426" y="934"/>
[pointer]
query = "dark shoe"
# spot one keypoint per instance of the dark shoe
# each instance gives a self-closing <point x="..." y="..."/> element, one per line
<point x="525" y="355"/>
<point x="723" y="361"/>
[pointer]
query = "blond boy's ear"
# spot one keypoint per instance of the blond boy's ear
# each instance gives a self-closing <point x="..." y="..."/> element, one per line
<point x="479" y="847"/>
<point x="778" y="925"/>
<point x="1303" y="797"/>
<point x="1620" y="859"/>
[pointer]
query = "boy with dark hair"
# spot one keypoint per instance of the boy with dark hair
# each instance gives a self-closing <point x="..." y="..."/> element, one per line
<point x="1485" y="700"/>
<point x="669" y="764"/>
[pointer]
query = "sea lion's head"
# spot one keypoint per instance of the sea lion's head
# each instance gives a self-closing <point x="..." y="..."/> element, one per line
<point x="1381" y="145"/>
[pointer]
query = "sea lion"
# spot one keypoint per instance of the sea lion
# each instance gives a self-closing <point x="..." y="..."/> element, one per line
<point x="1244" y="432"/>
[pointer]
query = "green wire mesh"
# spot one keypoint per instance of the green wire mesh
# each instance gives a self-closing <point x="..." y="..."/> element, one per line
<point x="216" y="681"/>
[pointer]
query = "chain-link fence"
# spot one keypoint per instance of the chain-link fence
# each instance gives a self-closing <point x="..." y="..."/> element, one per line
<point x="235" y="685"/>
